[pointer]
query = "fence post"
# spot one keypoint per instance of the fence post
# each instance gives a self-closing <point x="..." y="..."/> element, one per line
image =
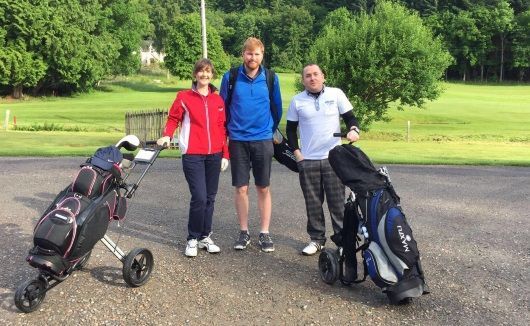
<point x="6" y="121"/>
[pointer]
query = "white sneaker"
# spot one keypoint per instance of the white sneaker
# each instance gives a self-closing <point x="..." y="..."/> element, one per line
<point x="207" y="243"/>
<point x="312" y="248"/>
<point x="191" y="248"/>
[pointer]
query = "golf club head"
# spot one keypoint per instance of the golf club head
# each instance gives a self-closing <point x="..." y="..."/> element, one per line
<point x="129" y="142"/>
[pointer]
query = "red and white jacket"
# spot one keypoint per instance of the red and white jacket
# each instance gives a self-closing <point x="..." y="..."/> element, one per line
<point x="202" y="122"/>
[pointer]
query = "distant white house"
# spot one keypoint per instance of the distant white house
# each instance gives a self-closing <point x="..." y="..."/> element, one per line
<point x="149" y="55"/>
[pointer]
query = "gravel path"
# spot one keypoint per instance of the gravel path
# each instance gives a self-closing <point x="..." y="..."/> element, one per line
<point x="471" y="223"/>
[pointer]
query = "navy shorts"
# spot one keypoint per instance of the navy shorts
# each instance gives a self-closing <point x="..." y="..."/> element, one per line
<point x="255" y="155"/>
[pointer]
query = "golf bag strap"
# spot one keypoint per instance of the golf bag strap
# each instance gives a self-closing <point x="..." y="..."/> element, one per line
<point x="365" y="268"/>
<point x="393" y="193"/>
<point x="365" y="273"/>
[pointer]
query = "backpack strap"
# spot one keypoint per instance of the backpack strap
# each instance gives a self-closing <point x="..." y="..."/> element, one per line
<point x="232" y="77"/>
<point x="270" y="76"/>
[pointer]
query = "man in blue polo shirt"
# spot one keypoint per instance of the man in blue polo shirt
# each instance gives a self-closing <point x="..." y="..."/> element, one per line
<point x="250" y="128"/>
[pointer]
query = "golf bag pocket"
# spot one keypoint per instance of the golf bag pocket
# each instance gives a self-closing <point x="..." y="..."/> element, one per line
<point x="56" y="231"/>
<point x="396" y="239"/>
<point x="91" y="181"/>
<point x="121" y="209"/>
<point x="378" y="266"/>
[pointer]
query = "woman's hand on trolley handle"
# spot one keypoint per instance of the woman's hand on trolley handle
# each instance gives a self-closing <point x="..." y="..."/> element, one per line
<point x="352" y="135"/>
<point x="163" y="141"/>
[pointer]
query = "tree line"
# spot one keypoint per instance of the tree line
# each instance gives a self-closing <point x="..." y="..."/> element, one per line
<point x="65" y="46"/>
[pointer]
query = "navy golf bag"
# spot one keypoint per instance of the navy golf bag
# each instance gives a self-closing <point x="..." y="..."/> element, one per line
<point x="79" y="216"/>
<point x="375" y="225"/>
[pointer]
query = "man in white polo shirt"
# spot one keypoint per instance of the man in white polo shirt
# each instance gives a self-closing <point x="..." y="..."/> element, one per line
<point x="316" y="112"/>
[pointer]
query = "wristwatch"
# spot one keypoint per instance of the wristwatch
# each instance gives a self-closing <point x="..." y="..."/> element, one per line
<point x="354" y="128"/>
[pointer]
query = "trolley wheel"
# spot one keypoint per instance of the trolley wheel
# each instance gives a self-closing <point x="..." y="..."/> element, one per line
<point x="83" y="261"/>
<point x="30" y="295"/>
<point x="328" y="266"/>
<point x="137" y="267"/>
<point x="395" y="302"/>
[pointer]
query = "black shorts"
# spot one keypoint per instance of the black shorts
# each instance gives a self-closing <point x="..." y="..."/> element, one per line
<point x="255" y="155"/>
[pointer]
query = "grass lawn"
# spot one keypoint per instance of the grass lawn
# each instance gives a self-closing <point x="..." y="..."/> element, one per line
<point x="468" y="124"/>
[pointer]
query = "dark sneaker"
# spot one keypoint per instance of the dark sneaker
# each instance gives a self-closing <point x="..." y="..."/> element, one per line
<point x="266" y="243"/>
<point x="243" y="241"/>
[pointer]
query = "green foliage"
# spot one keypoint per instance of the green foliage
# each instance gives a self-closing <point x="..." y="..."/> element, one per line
<point x="66" y="46"/>
<point x="19" y="66"/>
<point x="243" y="25"/>
<point x="49" y="127"/>
<point x="184" y="47"/>
<point x="290" y="36"/>
<point x="380" y="59"/>
<point x="476" y="36"/>
<point x="521" y="43"/>
<point x="129" y="24"/>
<point x="162" y="14"/>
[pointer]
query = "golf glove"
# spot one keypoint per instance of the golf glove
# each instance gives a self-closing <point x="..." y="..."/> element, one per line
<point x="163" y="141"/>
<point x="224" y="164"/>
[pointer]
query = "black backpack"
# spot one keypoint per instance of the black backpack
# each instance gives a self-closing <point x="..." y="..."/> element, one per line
<point x="283" y="153"/>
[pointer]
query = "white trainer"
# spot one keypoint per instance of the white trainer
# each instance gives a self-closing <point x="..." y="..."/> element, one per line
<point x="312" y="248"/>
<point x="191" y="248"/>
<point x="207" y="243"/>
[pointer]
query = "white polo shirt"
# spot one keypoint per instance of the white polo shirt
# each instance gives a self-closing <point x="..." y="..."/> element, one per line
<point x="318" y="118"/>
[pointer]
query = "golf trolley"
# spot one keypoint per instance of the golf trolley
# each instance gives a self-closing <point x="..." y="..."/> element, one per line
<point x="79" y="217"/>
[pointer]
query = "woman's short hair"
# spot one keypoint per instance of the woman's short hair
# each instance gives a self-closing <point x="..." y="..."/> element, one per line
<point x="201" y="64"/>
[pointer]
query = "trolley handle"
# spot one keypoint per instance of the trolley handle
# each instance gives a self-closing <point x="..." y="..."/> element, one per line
<point x="339" y="134"/>
<point x="154" y="145"/>
<point x="152" y="149"/>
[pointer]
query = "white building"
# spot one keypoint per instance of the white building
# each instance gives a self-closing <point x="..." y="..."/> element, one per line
<point x="149" y="54"/>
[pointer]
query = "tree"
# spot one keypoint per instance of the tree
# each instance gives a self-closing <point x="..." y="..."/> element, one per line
<point x="483" y="45"/>
<point x="162" y="14"/>
<point x="521" y="43"/>
<point x="461" y="35"/>
<point x="289" y="36"/>
<point x="503" y="18"/>
<point x="184" y="47"/>
<point x="379" y="59"/>
<point x="424" y="7"/>
<point x="19" y="67"/>
<point x="64" y="46"/>
<point x="76" y="44"/>
<point x="129" y="24"/>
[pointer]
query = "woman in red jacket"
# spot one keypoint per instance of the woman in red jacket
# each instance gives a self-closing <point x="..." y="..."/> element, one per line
<point x="200" y="112"/>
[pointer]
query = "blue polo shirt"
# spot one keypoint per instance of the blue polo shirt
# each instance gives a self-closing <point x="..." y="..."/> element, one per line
<point x="250" y="113"/>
